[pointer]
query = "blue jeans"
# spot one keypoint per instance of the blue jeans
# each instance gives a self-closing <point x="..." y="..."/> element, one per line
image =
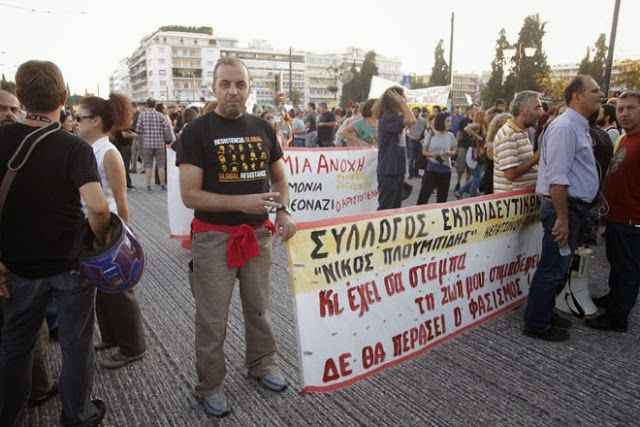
<point x="413" y="149"/>
<point x="23" y="315"/>
<point x="623" y="253"/>
<point x="552" y="267"/>
<point x="473" y="184"/>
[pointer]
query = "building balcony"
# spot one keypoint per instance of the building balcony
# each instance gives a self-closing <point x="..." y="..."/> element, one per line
<point x="187" y="73"/>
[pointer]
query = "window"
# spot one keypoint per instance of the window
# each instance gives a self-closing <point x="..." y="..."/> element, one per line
<point x="161" y="61"/>
<point x="162" y="72"/>
<point x="150" y="73"/>
<point x="163" y="82"/>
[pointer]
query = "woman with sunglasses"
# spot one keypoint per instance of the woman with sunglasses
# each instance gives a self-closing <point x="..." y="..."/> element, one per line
<point x="118" y="314"/>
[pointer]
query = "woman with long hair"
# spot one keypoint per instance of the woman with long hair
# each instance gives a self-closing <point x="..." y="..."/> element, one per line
<point x="393" y="115"/>
<point x="477" y="130"/>
<point x="439" y="146"/>
<point x="118" y="314"/>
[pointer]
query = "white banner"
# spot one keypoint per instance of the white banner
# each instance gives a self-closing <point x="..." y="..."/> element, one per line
<point x="436" y="95"/>
<point x="331" y="182"/>
<point x="374" y="291"/>
<point x="323" y="183"/>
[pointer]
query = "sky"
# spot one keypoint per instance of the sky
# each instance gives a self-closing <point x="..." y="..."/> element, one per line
<point x="87" y="38"/>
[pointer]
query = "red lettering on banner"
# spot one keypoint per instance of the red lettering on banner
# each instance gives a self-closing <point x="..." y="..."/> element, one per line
<point x="426" y="303"/>
<point x="361" y="297"/>
<point x="329" y="304"/>
<point x="296" y="166"/>
<point x="418" y="336"/>
<point x="393" y="283"/>
<point x="373" y="355"/>
<point x="331" y="371"/>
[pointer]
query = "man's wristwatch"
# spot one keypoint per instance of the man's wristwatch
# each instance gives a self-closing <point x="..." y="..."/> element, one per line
<point x="284" y="208"/>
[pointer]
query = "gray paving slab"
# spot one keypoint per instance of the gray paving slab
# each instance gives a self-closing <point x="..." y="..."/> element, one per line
<point x="491" y="375"/>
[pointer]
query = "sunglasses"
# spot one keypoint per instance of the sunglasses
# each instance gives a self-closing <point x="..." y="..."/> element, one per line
<point x="79" y="118"/>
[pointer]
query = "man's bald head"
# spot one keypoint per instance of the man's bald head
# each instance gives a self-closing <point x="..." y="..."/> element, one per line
<point x="9" y="108"/>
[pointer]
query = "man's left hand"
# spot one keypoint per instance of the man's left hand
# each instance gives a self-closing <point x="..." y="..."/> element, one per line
<point x="285" y="225"/>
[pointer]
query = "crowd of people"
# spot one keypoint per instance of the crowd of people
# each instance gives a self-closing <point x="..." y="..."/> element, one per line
<point x="582" y="157"/>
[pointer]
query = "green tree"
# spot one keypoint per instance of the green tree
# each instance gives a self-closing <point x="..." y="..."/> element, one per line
<point x="440" y="71"/>
<point x="595" y="67"/>
<point x="629" y="76"/>
<point x="7" y="85"/>
<point x="357" y="90"/>
<point x="527" y="72"/>
<point x="494" y="88"/>
<point x="296" y="96"/>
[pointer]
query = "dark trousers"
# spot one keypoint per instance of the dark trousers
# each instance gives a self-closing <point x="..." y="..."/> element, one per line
<point x="390" y="191"/>
<point x="413" y="151"/>
<point x="552" y="267"/>
<point x="125" y="152"/>
<point x="623" y="253"/>
<point x="120" y="321"/>
<point x="434" y="180"/>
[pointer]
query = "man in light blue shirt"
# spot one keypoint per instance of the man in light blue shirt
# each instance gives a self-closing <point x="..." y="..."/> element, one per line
<point x="568" y="181"/>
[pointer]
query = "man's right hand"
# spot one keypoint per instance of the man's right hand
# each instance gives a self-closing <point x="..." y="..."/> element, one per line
<point x="257" y="204"/>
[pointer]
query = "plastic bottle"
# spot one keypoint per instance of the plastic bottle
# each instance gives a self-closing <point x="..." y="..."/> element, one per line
<point x="565" y="250"/>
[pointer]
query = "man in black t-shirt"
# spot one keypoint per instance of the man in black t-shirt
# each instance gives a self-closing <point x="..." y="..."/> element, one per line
<point x="326" y="126"/>
<point x="39" y="222"/>
<point x="310" y="121"/>
<point x="231" y="174"/>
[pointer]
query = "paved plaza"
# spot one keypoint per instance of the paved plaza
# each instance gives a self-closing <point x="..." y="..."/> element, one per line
<point x="491" y="375"/>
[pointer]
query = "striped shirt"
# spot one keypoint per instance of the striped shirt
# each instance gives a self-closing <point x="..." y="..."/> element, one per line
<point x="511" y="149"/>
<point x="152" y="126"/>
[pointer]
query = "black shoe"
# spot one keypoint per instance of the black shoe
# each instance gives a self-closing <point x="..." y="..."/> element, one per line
<point x="605" y="323"/>
<point x="552" y="334"/>
<point x="559" y="321"/>
<point x="102" y="409"/>
<point x="602" y="301"/>
<point x="457" y="187"/>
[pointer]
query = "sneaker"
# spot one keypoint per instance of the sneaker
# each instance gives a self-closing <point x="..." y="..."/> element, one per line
<point x="602" y="301"/>
<point x="102" y="409"/>
<point x="553" y="334"/>
<point x="118" y="360"/>
<point x="103" y="345"/>
<point x="217" y="404"/>
<point x="606" y="323"/>
<point x="273" y="381"/>
<point x="559" y="321"/>
<point x="149" y="190"/>
<point x="163" y="188"/>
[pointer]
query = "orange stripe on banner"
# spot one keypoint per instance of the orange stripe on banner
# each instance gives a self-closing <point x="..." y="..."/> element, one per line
<point x="339" y="385"/>
<point x="406" y="210"/>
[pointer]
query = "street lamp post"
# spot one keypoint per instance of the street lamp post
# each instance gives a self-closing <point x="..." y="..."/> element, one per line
<point x="511" y="51"/>
<point x="334" y="71"/>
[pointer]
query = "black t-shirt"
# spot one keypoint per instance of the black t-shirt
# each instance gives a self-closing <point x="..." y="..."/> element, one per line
<point x="465" y="141"/>
<point x="326" y="133"/>
<point x="311" y="119"/>
<point x="235" y="156"/>
<point x="42" y="211"/>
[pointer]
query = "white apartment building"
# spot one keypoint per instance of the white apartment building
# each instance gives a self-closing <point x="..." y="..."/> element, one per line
<point x="175" y="65"/>
<point x="269" y="69"/>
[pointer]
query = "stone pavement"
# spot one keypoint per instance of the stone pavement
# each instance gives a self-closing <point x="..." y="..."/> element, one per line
<point x="491" y="375"/>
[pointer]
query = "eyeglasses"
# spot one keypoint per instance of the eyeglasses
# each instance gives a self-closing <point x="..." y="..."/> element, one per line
<point x="269" y="118"/>
<point x="14" y="110"/>
<point x="79" y="118"/>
